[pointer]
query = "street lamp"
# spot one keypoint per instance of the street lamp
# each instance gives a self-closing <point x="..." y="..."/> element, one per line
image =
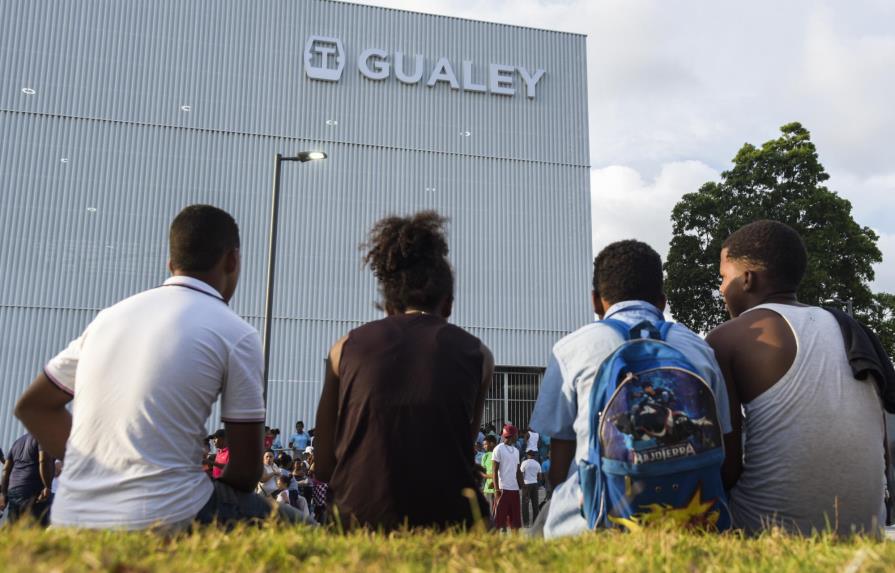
<point x="301" y="157"/>
<point x="848" y="304"/>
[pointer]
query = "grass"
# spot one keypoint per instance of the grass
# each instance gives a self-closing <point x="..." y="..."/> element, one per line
<point x="33" y="550"/>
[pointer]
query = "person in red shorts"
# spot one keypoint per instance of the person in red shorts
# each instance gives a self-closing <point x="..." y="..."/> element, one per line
<point x="505" y="461"/>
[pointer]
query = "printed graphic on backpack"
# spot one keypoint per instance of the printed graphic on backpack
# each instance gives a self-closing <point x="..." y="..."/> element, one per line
<point x="656" y="445"/>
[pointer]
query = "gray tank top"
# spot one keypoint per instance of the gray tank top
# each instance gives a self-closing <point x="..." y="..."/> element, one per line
<point x="813" y="452"/>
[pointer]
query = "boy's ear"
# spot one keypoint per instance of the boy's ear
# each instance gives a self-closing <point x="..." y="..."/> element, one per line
<point x="750" y="282"/>
<point x="597" y="303"/>
<point x="232" y="261"/>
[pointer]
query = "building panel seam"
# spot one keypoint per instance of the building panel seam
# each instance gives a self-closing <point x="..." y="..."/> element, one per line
<point x="286" y="137"/>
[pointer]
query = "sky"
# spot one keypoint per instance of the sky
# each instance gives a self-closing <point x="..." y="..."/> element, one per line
<point x="676" y="87"/>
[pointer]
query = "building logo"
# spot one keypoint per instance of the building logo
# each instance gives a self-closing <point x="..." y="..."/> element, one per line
<point x="324" y="58"/>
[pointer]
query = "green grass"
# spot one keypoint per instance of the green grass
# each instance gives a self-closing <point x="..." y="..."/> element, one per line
<point x="302" y="549"/>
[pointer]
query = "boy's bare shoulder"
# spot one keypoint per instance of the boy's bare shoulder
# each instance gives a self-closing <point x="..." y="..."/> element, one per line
<point x="739" y="331"/>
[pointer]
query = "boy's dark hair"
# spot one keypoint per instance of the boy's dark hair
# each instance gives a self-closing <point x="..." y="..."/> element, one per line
<point x="408" y="256"/>
<point x="628" y="270"/>
<point x="491" y="438"/>
<point x="200" y="235"/>
<point x="773" y="247"/>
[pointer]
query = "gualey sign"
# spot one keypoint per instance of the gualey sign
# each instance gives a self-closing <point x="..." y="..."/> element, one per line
<point x="325" y="60"/>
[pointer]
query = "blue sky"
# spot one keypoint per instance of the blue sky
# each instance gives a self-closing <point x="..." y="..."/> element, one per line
<point x="677" y="86"/>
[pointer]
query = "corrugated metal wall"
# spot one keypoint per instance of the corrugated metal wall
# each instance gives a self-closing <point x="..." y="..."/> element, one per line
<point x="96" y="162"/>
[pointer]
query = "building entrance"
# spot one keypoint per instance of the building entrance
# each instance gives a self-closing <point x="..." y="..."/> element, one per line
<point x="512" y="397"/>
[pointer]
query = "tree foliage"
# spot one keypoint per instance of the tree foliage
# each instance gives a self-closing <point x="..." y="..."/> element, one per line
<point x="781" y="180"/>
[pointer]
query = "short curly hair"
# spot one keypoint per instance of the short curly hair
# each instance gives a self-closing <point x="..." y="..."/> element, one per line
<point x="200" y="235"/>
<point x="408" y="256"/>
<point x="770" y="246"/>
<point x="628" y="270"/>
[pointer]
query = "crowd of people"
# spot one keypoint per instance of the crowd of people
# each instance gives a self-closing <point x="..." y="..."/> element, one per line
<point x="287" y="476"/>
<point x="762" y="404"/>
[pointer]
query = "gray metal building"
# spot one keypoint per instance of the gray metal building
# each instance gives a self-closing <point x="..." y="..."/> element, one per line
<point x="116" y="114"/>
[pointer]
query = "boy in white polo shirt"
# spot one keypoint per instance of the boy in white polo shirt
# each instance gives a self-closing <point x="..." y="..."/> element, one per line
<point x="143" y="377"/>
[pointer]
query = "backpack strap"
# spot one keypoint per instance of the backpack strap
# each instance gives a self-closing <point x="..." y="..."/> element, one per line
<point x="664" y="328"/>
<point x="618" y="326"/>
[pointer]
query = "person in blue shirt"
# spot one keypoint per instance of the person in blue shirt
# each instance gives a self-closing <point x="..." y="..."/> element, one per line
<point x="627" y="286"/>
<point x="299" y="440"/>
<point x="545" y="475"/>
<point x="27" y="481"/>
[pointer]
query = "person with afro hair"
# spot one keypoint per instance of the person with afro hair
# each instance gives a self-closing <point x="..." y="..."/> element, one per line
<point x="403" y="396"/>
<point x="812" y="458"/>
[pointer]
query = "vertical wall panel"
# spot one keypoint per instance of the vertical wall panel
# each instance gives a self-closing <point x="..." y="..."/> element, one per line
<point x="99" y="159"/>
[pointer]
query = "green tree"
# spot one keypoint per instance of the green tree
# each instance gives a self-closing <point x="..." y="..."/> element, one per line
<point x="781" y="180"/>
<point x="881" y="317"/>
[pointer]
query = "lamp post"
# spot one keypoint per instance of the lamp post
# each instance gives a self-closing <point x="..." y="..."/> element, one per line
<point x="302" y="157"/>
<point x="848" y="304"/>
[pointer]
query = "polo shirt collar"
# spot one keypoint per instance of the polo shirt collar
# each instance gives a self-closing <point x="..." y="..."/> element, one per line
<point x="194" y="284"/>
<point x="638" y="306"/>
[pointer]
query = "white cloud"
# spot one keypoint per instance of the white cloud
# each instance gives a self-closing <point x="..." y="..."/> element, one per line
<point x="885" y="272"/>
<point x="872" y="198"/>
<point x="624" y="206"/>
<point x="847" y="81"/>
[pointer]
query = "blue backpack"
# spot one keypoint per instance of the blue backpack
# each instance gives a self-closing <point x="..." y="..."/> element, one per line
<point x="655" y="447"/>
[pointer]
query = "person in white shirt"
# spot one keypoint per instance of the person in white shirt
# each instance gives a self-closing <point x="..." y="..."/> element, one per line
<point x="505" y="463"/>
<point x="55" y="485"/>
<point x="285" y="497"/>
<point x="269" y="474"/>
<point x="532" y="441"/>
<point x="531" y="477"/>
<point x="143" y="377"/>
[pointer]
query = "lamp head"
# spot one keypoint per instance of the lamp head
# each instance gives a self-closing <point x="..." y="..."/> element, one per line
<point x="305" y="156"/>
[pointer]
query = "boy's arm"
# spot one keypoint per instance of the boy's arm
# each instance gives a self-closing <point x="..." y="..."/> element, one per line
<point x="42" y="411"/>
<point x="328" y="416"/>
<point x="487" y="375"/>
<point x="554" y="415"/>
<point x="7" y="469"/>
<point x="720" y="341"/>
<point x="47" y="471"/>
<point x="562" y="452"/>
<point x="245" y="443"/>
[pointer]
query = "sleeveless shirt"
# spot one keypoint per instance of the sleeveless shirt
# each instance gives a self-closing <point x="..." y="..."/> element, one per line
<point x="813" y="452"/>
<point x="404" y="449"/>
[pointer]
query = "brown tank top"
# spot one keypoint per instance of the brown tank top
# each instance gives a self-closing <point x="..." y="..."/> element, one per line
<point x="404" y="449"/>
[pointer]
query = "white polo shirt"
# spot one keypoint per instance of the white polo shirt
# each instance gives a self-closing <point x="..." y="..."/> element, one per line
<point x="144" y="376"/>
